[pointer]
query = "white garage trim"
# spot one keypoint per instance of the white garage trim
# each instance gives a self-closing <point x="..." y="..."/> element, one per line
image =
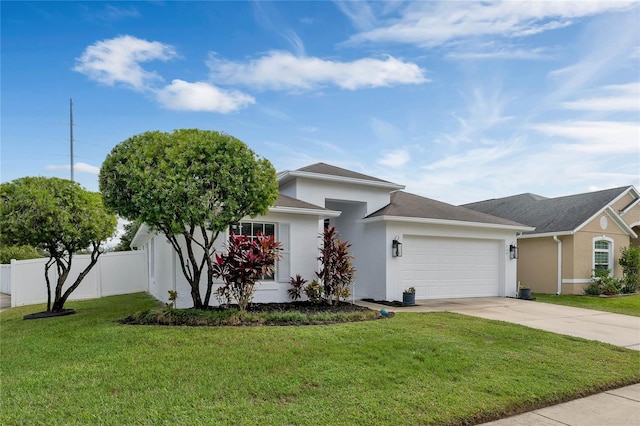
<point x="442" y="267"/>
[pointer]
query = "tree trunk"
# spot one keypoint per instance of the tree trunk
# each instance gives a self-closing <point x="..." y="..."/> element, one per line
<point x="60" y="300"/>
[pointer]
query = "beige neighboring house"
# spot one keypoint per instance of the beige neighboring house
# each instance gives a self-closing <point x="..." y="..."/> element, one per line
<point x="573" y="235"/>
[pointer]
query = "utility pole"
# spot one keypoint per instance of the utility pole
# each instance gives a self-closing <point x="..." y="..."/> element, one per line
<point x="71" y="133"/>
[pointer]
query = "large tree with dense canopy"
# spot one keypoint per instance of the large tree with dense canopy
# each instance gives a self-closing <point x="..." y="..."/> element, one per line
<point x="190" y="185"/>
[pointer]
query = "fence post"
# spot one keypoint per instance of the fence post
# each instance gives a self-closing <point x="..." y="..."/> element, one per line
<point x="13" y="287"/>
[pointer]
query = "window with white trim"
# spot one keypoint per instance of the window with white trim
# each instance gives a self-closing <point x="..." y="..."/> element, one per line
<point x="602" y="251"/>
<point x="251" y="230"/>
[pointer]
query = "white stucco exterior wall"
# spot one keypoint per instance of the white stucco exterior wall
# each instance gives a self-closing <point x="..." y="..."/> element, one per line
<point x="318" y="192"/>
<point x="165" y="272"/>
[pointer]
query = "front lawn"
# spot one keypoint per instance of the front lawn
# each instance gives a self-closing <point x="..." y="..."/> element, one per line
<point x="415" y="368"/>
<point x="627" y="305"/>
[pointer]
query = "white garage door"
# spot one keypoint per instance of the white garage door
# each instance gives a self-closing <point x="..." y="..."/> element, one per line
<point x="450" y="267"/>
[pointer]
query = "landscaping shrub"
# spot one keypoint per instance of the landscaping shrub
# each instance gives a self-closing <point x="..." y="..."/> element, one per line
<point x="592" y="289"/>
<point x="314" y="292"/>
<point x="297" y="287"/>
<point x="629" y="286"/>
<point x="603" y="283"/>
<point x="297" y="313"/>
<point x="630" y="262"/>
<point x="247" y="261"/>
<point x="337" y="272"/>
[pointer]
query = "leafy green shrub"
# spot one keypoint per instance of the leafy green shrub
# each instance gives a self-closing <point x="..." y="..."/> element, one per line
<point x="297" y="286"/>
<point x="603" y="283"/>
<point x="630" y="262"/>
<point x="314" y="291"/>
<point x="629" y="286"/>
<point x="18" y="253"/>
<point x="593" y="289"/>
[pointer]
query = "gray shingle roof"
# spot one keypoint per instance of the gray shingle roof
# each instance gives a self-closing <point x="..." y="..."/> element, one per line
<point x="404" y="204"/>
<point x="284" y="201"/>
<point x="561" y="214"/>
<point x="327" y="169"/>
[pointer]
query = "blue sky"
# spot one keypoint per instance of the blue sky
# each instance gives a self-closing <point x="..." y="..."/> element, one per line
<point x="459" y="101"/>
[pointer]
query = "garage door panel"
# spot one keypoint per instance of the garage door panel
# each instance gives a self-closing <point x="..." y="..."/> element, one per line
<point x="450" y="267"/>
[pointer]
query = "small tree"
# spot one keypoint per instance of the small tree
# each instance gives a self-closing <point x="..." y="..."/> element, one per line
<point x="630" y="262"/>
<point x="190" y="185"/>
<point x="337" y="272"/>
<point x="59" y="217"/>
<point x="246" y="262"/>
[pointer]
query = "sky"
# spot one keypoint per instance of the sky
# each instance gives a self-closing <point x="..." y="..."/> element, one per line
<point x="459" y="101"/>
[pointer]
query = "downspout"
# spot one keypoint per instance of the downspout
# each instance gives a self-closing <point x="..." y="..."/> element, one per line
<point x="559" y="241"/>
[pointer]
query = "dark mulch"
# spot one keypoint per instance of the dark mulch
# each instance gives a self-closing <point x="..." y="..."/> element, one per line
<point x="303" y="307"/>
<point x="394" y="303"/>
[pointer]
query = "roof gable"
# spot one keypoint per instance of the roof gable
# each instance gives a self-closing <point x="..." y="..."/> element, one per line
<point x="404" y="204"/>
<point x="550" y="215"/>
<point x="329" y="173"/>
<point x="284" y="201"/>
<point x="329" y="170"/>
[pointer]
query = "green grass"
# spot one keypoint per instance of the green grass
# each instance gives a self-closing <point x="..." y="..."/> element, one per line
<point x="415" y="368"/>
<point x="627" y="305"/>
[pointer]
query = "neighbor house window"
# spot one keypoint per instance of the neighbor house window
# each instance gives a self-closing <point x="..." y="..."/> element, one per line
<point x="252" y="229"/>
<point x="602" y="250"/>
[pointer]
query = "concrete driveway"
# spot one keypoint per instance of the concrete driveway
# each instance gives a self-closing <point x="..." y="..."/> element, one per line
<point x="616" y="329"/>
<point x="5" y="301"/>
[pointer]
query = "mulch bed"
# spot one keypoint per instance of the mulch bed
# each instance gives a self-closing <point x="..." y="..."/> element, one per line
<point x="303" y="307"/>
<point x="394" y="303"/>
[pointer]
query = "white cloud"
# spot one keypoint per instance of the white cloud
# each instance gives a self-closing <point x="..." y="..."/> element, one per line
<point x="359" y="12"/>
<point x="602" y="137"/>
<point x="77" y="167"/>
<point x="621" y="97"/>
<point x="605" y="53"/>
<point x="201" y="96"/>
<point x="506" y="52"/>
<point x="281" y="70"/>
<point x="395" y="159"/>
<point x="310" y="129"/>
<point x="429" y="24"/>
<point x="484" y="111"/>
<point x="118" y="61"/>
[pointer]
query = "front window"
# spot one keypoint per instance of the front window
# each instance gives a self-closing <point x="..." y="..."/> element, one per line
<point x="252" y="229"/>
<point x="602" y="255"/>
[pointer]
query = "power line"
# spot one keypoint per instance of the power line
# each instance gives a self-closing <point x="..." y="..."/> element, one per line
<point x="71" y="133"/>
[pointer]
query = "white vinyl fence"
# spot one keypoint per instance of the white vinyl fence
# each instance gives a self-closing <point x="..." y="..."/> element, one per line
<point x="5" y="279"/>
<point x="115" y="273"/>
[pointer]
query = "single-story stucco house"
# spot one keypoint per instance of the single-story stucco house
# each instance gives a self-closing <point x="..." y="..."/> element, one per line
<point x="573" y="235"/>
<point x="398" y="240"/>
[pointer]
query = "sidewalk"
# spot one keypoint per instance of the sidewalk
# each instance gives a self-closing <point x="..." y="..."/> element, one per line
<point x="620" y="407"/>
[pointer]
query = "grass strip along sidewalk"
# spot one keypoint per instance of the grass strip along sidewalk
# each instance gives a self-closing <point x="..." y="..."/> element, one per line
<point x="414" y="368"/>
<point x="623" y="304"/>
